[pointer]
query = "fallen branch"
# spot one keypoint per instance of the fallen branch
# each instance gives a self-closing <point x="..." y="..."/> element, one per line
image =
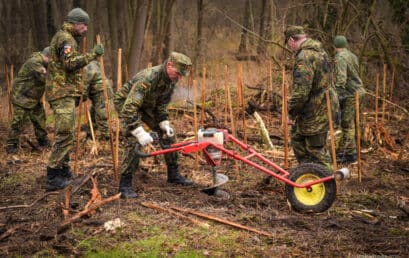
<point x="156" y="207"/>
<point x="93" y="204"/>
<point x="263" y="130"/>
<point x="9" y="232"/>
<point x="223" y="221"/>
<point x="28" y="205"/>
<point x="387" y="101"/>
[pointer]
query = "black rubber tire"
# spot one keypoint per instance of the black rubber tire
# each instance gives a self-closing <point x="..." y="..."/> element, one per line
<point x="326" y="191"/>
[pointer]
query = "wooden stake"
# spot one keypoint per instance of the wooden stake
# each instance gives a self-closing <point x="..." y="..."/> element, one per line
<point x="223" y="221"/>
<point x="202" y="114"/>
<point x="10" y="109"/>
<point x="80" y="107"/>
<point x="285" y="120"/>
<point x="383" y="93"/>
<point x="101" y="61"/>
<point x="94" y="149"/>
<point x="269" y="97"/>
<point x="376" y="98"/>
<point x="233" y="129"/>
<point x="126" y="72"/>
<point x="216" y="95"/>
<point x="11" y="85"/>
<point x="242" y="106"/>
<point x="391" y="89"/>
<point x="358" y="135"/>
<point x="195" y="126"/>
<point x="118" y="87"/>
<point x="226" y="103"/>
<point x="331" y="130"/>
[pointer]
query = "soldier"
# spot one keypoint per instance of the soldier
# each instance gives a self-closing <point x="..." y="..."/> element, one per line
<point x="307" y="105"/>
<point x="26" y="93"/>
<point x="63" y="80"/>
<point x="143" y="99"/>
<point x="347" y="83"/>
<point x="95" y="92"/>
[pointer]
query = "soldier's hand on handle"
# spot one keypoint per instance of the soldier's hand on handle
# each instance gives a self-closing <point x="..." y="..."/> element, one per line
<point x="166" y="128"/>
<point x="143" y="137"/>
<point x="99" y="50"/>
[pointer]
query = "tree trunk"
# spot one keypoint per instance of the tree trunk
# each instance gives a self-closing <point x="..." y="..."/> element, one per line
<point x="261" y="48"/>
<point x="199" y="36"/>
<point x="40" y="33"/>
<point x="243" y="37"/>
<point x="135" y="51"/>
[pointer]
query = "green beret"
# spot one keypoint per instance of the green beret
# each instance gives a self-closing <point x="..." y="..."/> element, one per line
<point x="46" y="51"/>
<point x="293" y="30"/>
<point x="182" y="62"/>
<point x="77" y="15"/>
<point x="340" y="41"/>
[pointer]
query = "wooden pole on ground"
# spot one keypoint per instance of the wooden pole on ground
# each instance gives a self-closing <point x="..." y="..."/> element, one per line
<point x="376" y="98"/>
<point x="331" y="131"/>
<point x="358" y="135"/>
<point x="383" y="93"/>
<point x="284" y="119"/>
<point x="202" y="114"/>
<point x="101" y="61"/>
<point x="118" y="87"/>
<point x="79" y="114"/>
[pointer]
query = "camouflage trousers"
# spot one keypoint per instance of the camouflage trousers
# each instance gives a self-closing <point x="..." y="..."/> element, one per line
<point x="348" y="140"/>
<point x="64" y="123"/>
<point x="130" y="161"/>
<point x="20" y="116"/>
<point x="310" y="148"/>
<point x="99" y="115"/>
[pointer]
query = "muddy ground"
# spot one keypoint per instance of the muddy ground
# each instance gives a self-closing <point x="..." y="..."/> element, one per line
<point x="364" y="219"/>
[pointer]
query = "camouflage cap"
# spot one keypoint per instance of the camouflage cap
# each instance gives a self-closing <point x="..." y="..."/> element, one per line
<point x="77" y="15"/>
<point x="182" y="62"/>
<point x="293" y="30"/>
<point x="46" y="51"/>
<point x="340" y="41"/>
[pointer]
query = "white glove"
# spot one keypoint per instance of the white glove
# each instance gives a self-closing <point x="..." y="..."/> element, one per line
<point x="165" y="126"/>
<point x="143" y="137"/>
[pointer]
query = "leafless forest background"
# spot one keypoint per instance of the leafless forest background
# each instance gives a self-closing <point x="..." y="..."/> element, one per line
<point x="213" y="32"/>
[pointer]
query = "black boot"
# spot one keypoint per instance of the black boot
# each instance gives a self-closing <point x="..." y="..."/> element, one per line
<point x="176" y="178"/>
<point x="43" y="142"/>
<point x="67" y="172"/>
<point x="125" y="187"/>
<point x="56" y="179"/>
<point x="11" y="149"/>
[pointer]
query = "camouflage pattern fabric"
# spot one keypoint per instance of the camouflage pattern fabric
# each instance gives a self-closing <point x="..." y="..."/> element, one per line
<point x="64" y="116"/>
<point x="29" y="84"/>
<point x="347" y="83"/>
<point x="307" y="105"/>
<point x="64" y="74"/>
<point x="144" y="99"/>
<point x="62" y="86"/>
<point x="94" y="91"/>
<point x="17" y="124"/>
<point x="26" y="92"/>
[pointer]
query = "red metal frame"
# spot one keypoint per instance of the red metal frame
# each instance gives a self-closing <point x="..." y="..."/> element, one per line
<point x="195" y="146"/>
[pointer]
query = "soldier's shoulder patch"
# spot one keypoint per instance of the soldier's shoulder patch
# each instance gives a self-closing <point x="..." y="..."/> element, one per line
<point x="67" y="49"/>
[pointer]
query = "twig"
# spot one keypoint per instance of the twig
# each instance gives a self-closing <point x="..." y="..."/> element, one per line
<point x="28" y="205"/>
<point x="156" y="207"/>
<point x="9" y="232"/>
<point x="223" y="221"/>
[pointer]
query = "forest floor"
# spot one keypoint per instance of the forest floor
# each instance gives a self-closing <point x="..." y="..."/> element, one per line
<point x="364" y="219"/>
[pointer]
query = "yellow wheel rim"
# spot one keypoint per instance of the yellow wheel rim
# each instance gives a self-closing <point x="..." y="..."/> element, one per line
<point x="309" y="197"/>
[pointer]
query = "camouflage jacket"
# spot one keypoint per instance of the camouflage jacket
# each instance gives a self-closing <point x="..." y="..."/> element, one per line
<point x="29" y="84"/>
<point x="64" y="67"/>
<point x="311" y="80"/>
<point x="346" y="74"/>
<point x="93" y="79"/>
<point x="149" y="91"/>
